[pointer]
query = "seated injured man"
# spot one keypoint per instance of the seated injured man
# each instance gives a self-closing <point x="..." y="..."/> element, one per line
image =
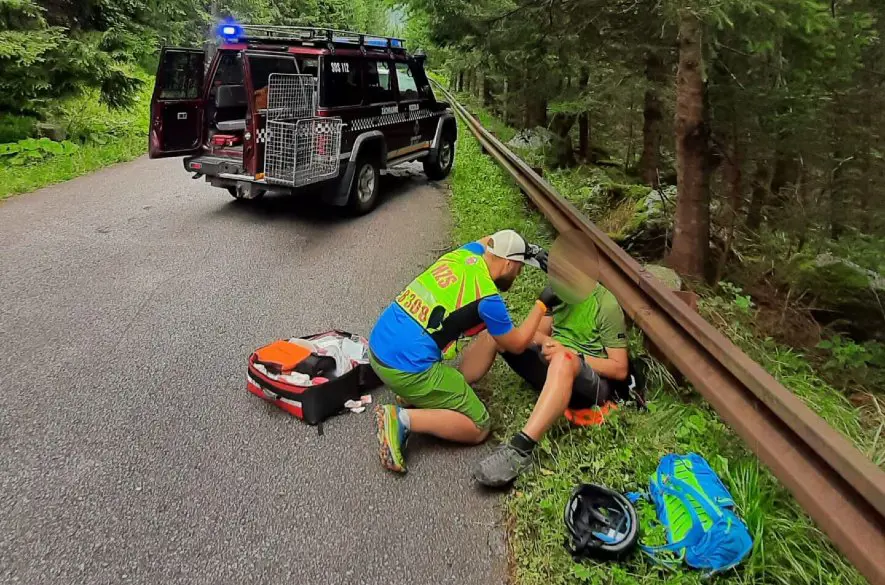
<point x="578" y="360"/>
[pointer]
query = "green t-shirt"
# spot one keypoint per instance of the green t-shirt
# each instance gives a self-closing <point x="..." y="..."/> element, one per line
<point x="592" y="325"/>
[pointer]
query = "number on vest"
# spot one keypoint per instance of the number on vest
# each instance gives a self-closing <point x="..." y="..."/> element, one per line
<point x="414" y="305"/>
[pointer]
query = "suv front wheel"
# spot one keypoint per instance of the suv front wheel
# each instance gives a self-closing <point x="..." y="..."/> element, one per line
<point x="364" y="191"/>
<point x="439" y="167"/>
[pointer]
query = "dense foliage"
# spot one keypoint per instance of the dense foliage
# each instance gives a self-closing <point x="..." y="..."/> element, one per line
<point x="50" y="49"/>
<point x="769" y="116"/>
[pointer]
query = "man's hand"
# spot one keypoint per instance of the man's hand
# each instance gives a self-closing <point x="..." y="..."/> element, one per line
<point x="549" y="298"/>
<point x="551" y="347"/>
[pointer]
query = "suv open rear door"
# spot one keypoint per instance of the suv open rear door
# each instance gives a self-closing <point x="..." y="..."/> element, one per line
<point x="177" y="106"/>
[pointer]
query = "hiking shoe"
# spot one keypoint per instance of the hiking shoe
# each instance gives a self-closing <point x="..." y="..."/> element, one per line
<point x="502" y="466"/>
<point x="392" y="436"/>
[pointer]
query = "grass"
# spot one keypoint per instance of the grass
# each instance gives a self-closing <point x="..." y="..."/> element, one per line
<point x="624" y="452"/>
<point x="56" y="169"/>
<point x="105" y="137"/>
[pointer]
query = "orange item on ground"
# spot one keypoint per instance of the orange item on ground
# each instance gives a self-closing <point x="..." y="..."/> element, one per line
<point x="281" y="356"/>
<point x="588" y="417"/>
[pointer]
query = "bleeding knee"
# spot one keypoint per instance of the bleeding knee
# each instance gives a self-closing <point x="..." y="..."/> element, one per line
<point x="563" y="363"/>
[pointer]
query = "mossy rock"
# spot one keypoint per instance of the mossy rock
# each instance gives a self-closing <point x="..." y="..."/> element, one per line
<point x="668" y="276"/>
<point x="616" y="192"/>
<point x="845" y="292"/>
<point x="638" y="192"/>
<point x="836" y="280"/>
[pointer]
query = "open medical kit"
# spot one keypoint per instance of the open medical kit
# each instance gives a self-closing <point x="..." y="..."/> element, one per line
<point x="312" y="377"/>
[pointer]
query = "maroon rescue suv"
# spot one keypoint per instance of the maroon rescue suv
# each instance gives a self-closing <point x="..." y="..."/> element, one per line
<point x="288" y="108"/>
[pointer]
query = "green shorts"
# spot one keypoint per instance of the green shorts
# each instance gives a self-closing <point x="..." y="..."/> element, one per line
<point x="440" y="386"/>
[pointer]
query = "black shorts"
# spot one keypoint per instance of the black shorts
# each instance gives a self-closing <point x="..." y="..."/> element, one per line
<point x="589" y="388"/>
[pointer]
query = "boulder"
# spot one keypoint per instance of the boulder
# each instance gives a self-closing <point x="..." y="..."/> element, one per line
<point x="531" y="139"/>
<point x="656" y="202"/>
<point x="666" y="275"/>
<point x="845" y="293"/>
<point x="51" y="131"/>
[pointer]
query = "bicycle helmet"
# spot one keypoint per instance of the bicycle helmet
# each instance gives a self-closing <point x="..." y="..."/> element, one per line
<point x="602" y="523"/>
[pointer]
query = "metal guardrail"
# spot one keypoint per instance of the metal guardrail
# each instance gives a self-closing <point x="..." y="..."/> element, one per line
<point x="841" y="489"/>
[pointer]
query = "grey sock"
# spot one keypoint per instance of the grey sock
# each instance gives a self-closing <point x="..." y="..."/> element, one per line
<point x="523" y="443"/>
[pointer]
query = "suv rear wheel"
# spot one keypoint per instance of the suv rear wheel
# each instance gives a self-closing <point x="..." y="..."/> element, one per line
<point x="440" y="166"/>
<point x="364" y="191"/>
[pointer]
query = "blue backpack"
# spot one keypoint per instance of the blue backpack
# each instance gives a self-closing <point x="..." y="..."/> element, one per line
<point x="697" y="512"/>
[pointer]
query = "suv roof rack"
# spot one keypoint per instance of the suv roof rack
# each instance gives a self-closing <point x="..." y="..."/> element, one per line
<point x="306" y="34"/>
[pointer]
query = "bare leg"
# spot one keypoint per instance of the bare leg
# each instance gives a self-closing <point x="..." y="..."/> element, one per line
<point x="478" y="357"/>
<point x="446" y="424"/>
<point x="554" y="396"/>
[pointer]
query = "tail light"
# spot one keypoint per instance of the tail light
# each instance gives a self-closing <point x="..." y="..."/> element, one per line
<point x="226" y="140"/>
<point x="322" y="144"/>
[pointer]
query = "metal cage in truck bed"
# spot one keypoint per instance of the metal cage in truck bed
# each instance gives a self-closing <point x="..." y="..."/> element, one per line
<point x="301" y="148"/>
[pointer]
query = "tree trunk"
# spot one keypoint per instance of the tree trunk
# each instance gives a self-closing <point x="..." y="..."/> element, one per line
<point x="837" y="203"/>
<point x="628" y="157"/>
<point x="524" y="93"/>
<point x="211" y="46"/>
<point x="562" y="150"/>
<point x="505" y="105"/>
<point x="536" y="112"/>
<point x="786" y="172"/>
<point x="761" y="186"/>
<point x="802" y="198"/>
<point x="584" y="118"/>
<point x="486" y="90"/>
<point x="692" y="227"/>
<point x="460" y="84"/>
<point x="652" y="113"/>
<point x="584" y="136"/>
<point x="735" y="198"/>
<point x="867" y="195"/>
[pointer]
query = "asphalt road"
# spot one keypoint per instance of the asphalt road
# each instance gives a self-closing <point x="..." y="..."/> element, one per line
<point x="130" y="451"/>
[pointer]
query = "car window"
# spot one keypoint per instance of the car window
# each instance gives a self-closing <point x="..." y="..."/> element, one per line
<point x="341" y="82"/>
<point x="308" y="66"/>
<point x="408" y="90"/>
<point x="379" y="83"/>
<point x="230" y="69"/>
<point x="182" y="76"/>
<point x="261" y="67"/>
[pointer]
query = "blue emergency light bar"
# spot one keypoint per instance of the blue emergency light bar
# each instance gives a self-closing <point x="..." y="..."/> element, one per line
<point x="232" y="32"/>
